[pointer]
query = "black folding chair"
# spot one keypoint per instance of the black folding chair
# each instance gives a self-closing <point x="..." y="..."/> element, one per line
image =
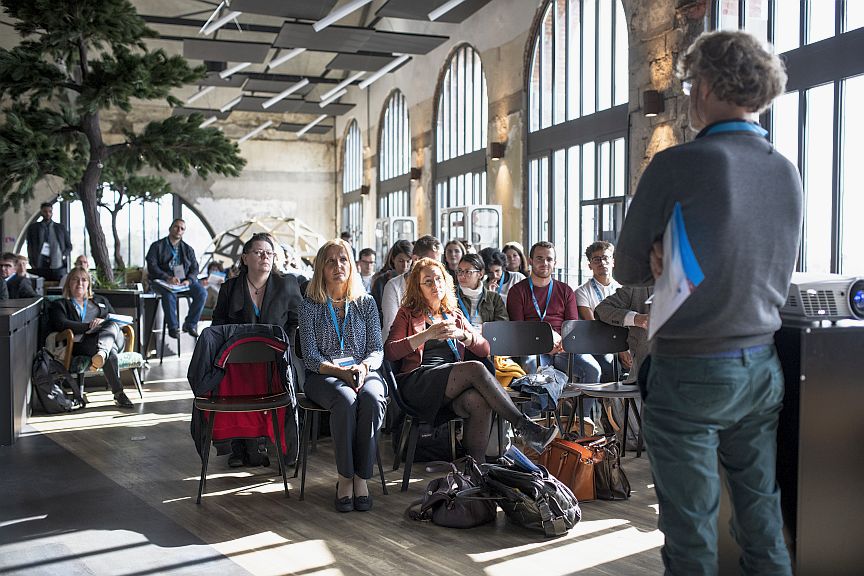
<point x="595" y="337"/>
<point x="252" y="352"/>
<point x="410" y="428"/>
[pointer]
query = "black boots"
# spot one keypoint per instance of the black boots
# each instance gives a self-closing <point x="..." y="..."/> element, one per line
<point x="535" y="436"/>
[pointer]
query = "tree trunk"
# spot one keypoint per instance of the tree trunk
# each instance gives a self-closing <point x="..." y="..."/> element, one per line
<point x="89" y="199"/>
<point x="118" y="249"/>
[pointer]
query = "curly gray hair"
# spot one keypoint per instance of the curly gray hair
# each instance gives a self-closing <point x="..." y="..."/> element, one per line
<point x="738" y="67"/>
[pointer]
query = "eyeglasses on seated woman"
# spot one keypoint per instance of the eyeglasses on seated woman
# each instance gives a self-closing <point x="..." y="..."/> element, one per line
<point x="429" y="337"/>
<point x="341" y="341"/>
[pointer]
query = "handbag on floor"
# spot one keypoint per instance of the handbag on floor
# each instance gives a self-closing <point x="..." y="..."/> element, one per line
<point x="456" y="500"/>
<point x="574" y="465"/>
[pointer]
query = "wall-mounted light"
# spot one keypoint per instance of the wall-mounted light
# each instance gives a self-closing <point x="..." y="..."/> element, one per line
<point x="364" y="189"/>
<point x="652" y="103"/>
<point x="416" y="173"/>
<point x="497" y="150"/>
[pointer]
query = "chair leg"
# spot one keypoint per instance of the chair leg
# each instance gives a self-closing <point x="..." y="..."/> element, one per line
<point x="316" y="426"/>
<point x="626" y="420"/>
<point x="400" y="442"/>
<point x="80" y="377"/>
<point x="579" y="416"/>
<point x="501" y="437"/>
<point x="307" y="431"/>
<point x="639" y="437"/>
<point x="180" y="334"/>
<point x="205" y="455"/>
<point x="380" y="466"/>
<point x="452" y="425"/>
<point x="136" y="377"/>
<point x="280" y="456"/>
<point x="300" y="447"/>
<point x="162" y="342"/>
<point x="413" y="436"/>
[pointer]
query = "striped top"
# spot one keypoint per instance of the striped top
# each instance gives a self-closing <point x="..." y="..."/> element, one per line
<point x="362" y="334"/>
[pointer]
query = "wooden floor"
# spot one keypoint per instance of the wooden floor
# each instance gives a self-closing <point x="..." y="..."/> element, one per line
<point x="149" y="460"/>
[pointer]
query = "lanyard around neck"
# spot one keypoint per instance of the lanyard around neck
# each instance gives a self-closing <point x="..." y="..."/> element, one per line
<point x="339" y="333"/>
<point x="464" y="308"/>
<point x="450" y="341"/>
<point x="733" y="126"/>
<point x="534" y="298"/>
<point x="597" y="291"/>
<point x="175" y="259"/>
<point x="501" y="281"/>
<point x="82" y="309"/>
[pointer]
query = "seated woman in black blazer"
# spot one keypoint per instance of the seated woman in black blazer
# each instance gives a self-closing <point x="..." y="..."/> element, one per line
<point x="258" y="295"/>
<point x="81" y="311"/>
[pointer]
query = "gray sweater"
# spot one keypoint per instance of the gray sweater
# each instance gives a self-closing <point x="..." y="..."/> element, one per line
<point x="742" y="207"/>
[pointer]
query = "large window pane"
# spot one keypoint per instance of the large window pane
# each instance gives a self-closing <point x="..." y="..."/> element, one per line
<point x="756" y="18"/>
<point x="588" y="171"/>
<point x="573" y="159"/>
<point x="821" y="20"/>
<point x="851" y="178"/>
<point x="787" y="25"/>
<point x="622" y="76"/>
<point x="784" y="124"/>
<point x="854" y="14"/>
<point x="728" y="14"/>
<point x="574" y="63"/>
<point x="559" y="201"/>
<point x="818" y="203"/>
<point x="560" y="96"/>
<point x="604" y="60"/>
<point x="589" y="65"/>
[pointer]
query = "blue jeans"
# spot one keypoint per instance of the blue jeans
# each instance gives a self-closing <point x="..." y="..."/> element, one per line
<point x="585" y="369"/>
<point x="169" y="304"/>
<point x="697" y="409"/>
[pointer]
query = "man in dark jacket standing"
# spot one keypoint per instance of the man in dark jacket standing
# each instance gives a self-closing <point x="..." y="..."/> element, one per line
<point x="173" y="269"/>
<point x="48" y="245"/>
<point x="715" y="385"/>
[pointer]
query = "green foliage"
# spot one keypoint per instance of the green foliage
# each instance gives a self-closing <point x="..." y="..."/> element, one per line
<point x="130" y="187"/>
<point x="103" y="281"/>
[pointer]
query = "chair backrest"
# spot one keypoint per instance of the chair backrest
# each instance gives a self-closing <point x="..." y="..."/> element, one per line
<point x="388" y="373"/>
<point x="518" y="338"/>
<point x="255" y="350"/>
<point x="593" y="337"/>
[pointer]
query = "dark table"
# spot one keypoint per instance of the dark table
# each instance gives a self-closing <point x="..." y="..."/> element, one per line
<point x="19" y="340"/>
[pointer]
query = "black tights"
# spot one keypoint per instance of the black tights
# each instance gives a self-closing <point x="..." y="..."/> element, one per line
<point x="473" y="394"/>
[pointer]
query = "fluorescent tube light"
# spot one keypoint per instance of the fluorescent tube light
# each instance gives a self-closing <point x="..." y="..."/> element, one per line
<point x="444" y="8"/>
<point x="199" y="94"/>
<point x="236" y="68"/>
<point x="231" y="104"/>
<point x="387" y="68"/>
<point x="208" y="122"/>
<point x="339" y="13"/>
<point x="332" y="98"/>
<point x="311" y="125"/>
<point x="207" y="30"/>
<point x="256" y="131"/>
<point x="285" y="93"/>
<point x="284" y="57"/>
<point x="341" y="85"/>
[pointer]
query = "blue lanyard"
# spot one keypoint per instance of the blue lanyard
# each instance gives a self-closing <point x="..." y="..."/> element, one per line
<point x="464" y="308"/>
<point x="597" y="291"/>
<point x="501" y="281"/>
<point x="450" y="341"/>
<point x="534" y="298"/>
<point x="175" y="260"/>
<point x="256" y="310"/>
<point x="339" y="333"/>
<point x="82" y="310"/>
<point x="734" y="126"/>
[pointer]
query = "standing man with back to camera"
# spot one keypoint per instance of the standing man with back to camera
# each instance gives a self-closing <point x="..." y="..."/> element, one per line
<point x="48" y="245"/>
<point x="715" y="386"/>
<point x="173" y="261"/>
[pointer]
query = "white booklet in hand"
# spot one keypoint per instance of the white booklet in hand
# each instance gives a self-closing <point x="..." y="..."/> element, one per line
<point x="121" y="319"/>
<point x="681" y="273"/>
<point x="172" y="287"/>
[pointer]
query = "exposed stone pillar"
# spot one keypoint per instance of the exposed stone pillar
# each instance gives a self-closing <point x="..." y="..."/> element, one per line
<point x="660" y="30"/>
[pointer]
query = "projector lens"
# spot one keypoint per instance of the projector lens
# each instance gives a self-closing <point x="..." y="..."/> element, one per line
<point x="856" y="299"/>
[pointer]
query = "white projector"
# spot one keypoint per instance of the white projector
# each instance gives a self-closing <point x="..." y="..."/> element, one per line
<point x="824" y="297"/>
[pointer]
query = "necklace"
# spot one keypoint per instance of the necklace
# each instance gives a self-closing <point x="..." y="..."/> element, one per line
<point x="257" y="289"/>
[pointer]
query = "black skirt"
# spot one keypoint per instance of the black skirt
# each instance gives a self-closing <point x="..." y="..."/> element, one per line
<point x="423" y="389"/>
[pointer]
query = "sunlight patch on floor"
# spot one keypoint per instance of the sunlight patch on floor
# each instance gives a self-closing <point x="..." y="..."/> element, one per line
<point x="269" y="554"/>
<point x="100" y="419"/>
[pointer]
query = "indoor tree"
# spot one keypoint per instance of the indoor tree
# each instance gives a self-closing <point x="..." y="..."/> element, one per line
<point x="76" y="59"/>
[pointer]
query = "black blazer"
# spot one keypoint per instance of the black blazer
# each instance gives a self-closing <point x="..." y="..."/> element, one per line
<point x="4" y="291"/>
<point x="281" y="304"/>
<point x="20" y="287"/>
<point x="159" y="260"/>
<point x="62" y="314"/>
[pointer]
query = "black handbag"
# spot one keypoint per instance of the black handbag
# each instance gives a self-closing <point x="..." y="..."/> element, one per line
<point x="610" y="481"/>
<point x="456" y="500"/>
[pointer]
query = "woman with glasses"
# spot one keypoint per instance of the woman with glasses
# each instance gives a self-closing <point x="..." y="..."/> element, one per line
<point x="341" y="338"/>
<point x="476" y="303"/>
<point x="429" y="337"/>
<point x="515" y="254"/>
<point x="257" y="295"/>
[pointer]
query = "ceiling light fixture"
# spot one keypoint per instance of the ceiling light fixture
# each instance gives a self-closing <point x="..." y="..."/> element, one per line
<point x="208" y="122"/>
<point x="310" y="125"/>
<point x="208" y="29"/>
<point x="444" y="9"/>
<point x="339" y="13"/>
<point x="332" y="98"/>
<point x="199" y="94"/>
<point x="284" y="57"/>
<point x="387" y="68"/>
<point x="236" y="68"/>
<point x="341" y="85"/>
<point x="256" y="131"/>
<point x="231" y="104"/>
<point x="285" y="93"/>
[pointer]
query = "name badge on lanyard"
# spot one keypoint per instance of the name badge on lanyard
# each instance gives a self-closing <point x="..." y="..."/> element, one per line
<point x="177" y="268"/>
<point x="450" y="341"/>
<point x="534" y="298"/>
<point x="343" y="361"/>
<point x="474" y="319"/>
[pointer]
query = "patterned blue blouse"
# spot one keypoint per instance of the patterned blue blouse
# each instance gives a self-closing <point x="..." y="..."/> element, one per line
<point x="362" y="335"/>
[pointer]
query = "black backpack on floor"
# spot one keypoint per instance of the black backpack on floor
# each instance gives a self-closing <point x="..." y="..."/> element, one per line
<point x="48" y="377"/>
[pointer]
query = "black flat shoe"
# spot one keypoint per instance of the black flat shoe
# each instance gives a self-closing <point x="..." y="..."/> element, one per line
<point x="345" y="504"/>
<point x="363" y="503"/>
<point x="121" y="400"/>
<point x="191" y="331"/>
<point x="173" y="333"/>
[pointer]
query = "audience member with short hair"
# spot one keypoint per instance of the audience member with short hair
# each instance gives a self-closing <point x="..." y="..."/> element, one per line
<point x="85" y="314"/>
<point x="601" y="261"/>
<point x="48" y="245"/>
<point x="425" y="247"/>
<point x="498" y="278"/>
<point x="173" y="261"/>
<point x="516" y="261"/>
<point x="429" y="337"/>
<point x="366" y="267"/>
<point x="341" y="340"/>
<point x="21" y="265"/>
<point x="16" y="286"/>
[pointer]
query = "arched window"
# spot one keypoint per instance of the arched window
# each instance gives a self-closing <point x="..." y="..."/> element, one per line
<point x="819" y="123"/>
<point x="394" y="159"/>
<point x="577" y="128"/>
<point x="352" y="183"/>
<point x="460" y="132"/>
